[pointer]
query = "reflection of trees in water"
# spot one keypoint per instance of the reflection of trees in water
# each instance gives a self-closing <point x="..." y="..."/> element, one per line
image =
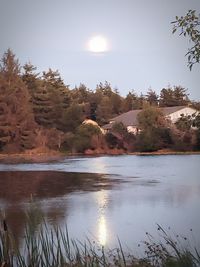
<point x="18" y="187"/>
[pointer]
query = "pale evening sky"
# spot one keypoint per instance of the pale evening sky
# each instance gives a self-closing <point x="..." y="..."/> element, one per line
<point x="143" y="53"/>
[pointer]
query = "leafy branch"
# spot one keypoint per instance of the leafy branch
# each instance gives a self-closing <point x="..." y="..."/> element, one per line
<point x="189" y="26"/>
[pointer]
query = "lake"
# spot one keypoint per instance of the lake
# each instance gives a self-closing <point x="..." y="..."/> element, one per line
<point x="108" y="197"/>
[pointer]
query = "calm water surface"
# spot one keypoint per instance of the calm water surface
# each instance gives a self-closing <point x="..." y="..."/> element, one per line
<point x="104" y="198"/>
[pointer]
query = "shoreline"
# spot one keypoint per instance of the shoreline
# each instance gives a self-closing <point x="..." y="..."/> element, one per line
<point x="17" y="158"/>
<point x="163" y="153"/>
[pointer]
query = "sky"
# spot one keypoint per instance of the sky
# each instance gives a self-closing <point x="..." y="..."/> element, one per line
<point x="143" y="53"/>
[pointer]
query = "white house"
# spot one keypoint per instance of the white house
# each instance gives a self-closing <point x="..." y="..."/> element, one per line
<point x="174" y="113"/>
<point x="129" y="119"/>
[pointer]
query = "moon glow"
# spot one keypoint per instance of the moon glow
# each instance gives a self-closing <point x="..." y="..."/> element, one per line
<point x="98" y="44"/>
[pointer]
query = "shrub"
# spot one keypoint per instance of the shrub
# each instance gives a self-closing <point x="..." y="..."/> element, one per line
<point x="84" y="136"/>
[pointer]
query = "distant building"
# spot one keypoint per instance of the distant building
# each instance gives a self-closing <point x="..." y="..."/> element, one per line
<point x="129" y="119"/>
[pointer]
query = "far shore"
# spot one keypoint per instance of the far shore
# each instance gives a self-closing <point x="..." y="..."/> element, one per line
<point x="53" y="156"/>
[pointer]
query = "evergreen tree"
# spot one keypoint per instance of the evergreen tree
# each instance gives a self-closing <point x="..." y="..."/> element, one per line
<point x="131" y="101"/>
<point x="166" y="98"/>
<point x="104" y="110"/>
<point x="16" y="115"/>
<point x="50" y="100"/>
<point x="81" y="94"/>
<point x="173" y="97"/>
<point x="152" y="97"/>
<point x="116" y="101"/>
<point x="108" y="102"/>
<point x="72" y="118"/>
<point x="42" y="106"/>
<point x="180" y="96"/>
<point x="59" y="96"/>
<point x="30" y="77"/>
<point x="104" y="89"/>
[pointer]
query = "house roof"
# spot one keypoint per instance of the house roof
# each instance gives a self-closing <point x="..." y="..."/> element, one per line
<point x="107" y="126"/>
<point x="169" y="110"/>
<point x="130" y="118"/>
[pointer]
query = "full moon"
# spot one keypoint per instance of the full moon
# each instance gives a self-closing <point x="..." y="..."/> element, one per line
<point x="98" y="44"/>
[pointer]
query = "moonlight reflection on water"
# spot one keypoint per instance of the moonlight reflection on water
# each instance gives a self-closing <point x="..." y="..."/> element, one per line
<point x="102" y="202"/>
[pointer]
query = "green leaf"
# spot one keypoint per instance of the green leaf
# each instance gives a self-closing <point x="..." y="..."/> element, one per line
<point x="174" y="30"/>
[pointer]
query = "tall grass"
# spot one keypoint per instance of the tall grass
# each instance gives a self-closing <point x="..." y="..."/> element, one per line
<point x="49" y="247"/>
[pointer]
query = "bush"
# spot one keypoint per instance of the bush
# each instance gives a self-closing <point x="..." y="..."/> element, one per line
<point x="84" y="136"/>
<point x="113" y="142"/>
<point x="197" y="145"/>
<point x="67" y="143"/>
<point x="148" y="141"/>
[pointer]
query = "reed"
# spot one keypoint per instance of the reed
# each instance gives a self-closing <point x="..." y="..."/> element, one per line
<point x="52" y="247"/>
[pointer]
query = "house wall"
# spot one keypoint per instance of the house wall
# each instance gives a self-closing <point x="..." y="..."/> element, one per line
<point x="185" y="111"/>
<point x="132" y="129"/>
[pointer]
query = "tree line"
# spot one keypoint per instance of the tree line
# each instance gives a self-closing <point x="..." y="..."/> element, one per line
<point x="40" y="110"/>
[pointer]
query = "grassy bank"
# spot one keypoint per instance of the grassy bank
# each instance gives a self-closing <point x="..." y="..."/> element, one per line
<point x="31" y="157"/>
<point x="47" y="247"/>
<point x="40" y="157"/>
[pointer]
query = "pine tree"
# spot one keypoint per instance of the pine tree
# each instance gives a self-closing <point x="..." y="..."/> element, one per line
<point x="30" y="77"/>
<point x="50" y="100"/>
<point x="173" y="97"/>
<point x="15" y="112"/>
<point x="152" y="97"/>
